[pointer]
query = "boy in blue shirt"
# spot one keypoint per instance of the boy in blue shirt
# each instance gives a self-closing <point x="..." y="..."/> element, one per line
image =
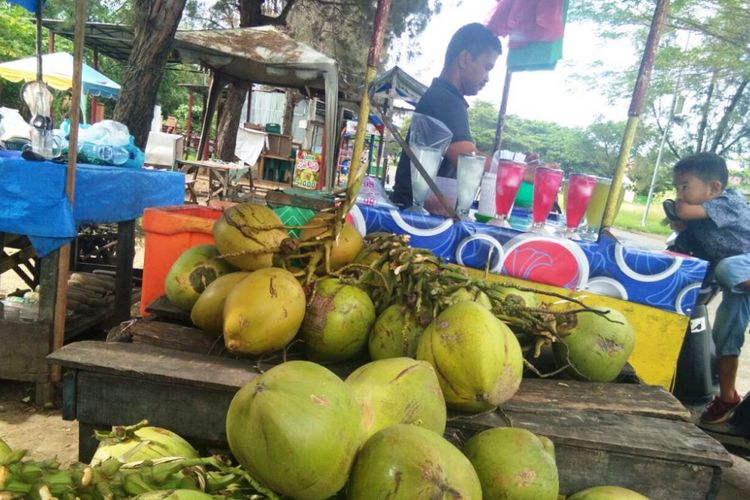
<point x="718" y="219"/>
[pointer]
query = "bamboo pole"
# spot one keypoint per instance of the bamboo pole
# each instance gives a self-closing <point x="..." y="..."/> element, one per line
<point x="63" y="262"/>
<point x="636" y="104"/>
<point x="503" y="111"/>
<point x="358" y="169"/>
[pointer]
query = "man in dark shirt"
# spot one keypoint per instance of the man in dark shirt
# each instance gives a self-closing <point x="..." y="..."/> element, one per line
<point x="471" y="55"/>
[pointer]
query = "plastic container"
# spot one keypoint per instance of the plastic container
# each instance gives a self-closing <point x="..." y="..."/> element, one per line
<point x="169" y="232"/>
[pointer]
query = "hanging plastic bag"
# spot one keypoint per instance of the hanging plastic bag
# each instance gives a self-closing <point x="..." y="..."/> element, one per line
<point x="429" y="138"/>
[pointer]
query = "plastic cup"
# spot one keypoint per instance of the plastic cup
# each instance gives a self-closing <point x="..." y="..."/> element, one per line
<point x="509" y="177"/>
<point x="470" y="169"/>
<point x="546" y="184"/>
<point x="580" y="189"/>
<point x="430" y="159"/>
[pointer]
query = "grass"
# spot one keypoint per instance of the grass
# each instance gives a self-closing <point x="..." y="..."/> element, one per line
<point x="631" y="214"/>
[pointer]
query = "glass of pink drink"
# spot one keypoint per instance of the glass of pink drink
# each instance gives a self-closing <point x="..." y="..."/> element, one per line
<point x="580" y="190"/>
<point x="509" y="177"/>
<point x="546" y="184"/>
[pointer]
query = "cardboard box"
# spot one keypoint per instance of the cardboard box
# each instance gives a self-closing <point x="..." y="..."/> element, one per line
<point x="279" y="145"/>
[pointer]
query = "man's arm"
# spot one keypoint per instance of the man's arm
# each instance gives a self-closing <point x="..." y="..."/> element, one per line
<point x="465" y="147"/>
<point x="690" y="212"/>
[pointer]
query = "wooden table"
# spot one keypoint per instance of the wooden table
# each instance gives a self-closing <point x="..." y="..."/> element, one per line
<point x="632" y="435"/>
<point x="221" y="182"/>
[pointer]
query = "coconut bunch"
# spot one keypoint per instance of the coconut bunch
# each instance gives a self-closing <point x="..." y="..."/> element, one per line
<point x="164" y="475"/>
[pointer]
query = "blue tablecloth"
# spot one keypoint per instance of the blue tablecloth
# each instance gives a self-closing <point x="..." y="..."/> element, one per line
<point x="33" y="200"/>
<point x="656" y="278"/>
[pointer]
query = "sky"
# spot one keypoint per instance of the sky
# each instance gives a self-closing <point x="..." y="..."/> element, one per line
<point x="555" y="96"/>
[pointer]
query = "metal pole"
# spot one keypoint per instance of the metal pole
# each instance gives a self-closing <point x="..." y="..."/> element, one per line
<point x="636" y="104"/>
<point x="649" y="199"/>
<point x="672" y="111"/>
<point x="503" y="110"/>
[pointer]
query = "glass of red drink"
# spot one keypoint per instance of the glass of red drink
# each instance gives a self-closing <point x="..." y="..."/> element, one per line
<point x="546" y="184"/>
<point x="508" y="180"/>
<point x="580" y="190"/>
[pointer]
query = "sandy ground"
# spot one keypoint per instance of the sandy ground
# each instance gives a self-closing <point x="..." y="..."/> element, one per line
<point x="45" y="434"/>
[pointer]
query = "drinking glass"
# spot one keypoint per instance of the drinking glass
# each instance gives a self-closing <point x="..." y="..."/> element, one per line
<point x="595" y="211"/>
<point x="509" y="177"/>
<point x="580" y="189"/>
<point x="470" y="170"/>
<point x="546" y="184"/>
<point x="430" y="159"/>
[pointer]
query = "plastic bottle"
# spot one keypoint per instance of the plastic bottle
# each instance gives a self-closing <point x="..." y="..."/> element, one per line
<point x="112" y="155"/>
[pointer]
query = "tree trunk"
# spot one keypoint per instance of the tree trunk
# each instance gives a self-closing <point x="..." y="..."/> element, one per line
<point x="154" y="28"/>
<point x="704" y="113"/>
<point x="292" y="98"/>
<point x="230" y="120"/>
<point x="721" y="128"/>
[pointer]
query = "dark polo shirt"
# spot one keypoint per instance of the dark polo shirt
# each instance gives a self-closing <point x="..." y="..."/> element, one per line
<point x="444" y="102"/>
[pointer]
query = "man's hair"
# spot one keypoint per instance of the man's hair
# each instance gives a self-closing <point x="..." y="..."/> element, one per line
<point x="706" y="166"/>
<point x="474" y="38"/>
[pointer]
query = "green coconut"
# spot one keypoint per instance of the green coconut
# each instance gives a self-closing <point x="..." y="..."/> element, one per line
<point x="144" y="443"/>
<point x="207" y="312"/>
<point x="192" y="272"/>
<point x="337" y="322"/>
<point x="514" y="296"/>
<point x="470" y="295"/>
<point x="514" y="463"/>
<point x="607" y="493"/>
<point x="263" y="312"/>
<point x="477" y="358"/>
<point x="395" y="333"/>
<point x="296" y="429"/>
<point x="175" y="495"/>
<point x="405" y="462"/>
<point x="398" y="391"/>
<point x="249" y="235"/>
<point x="598" y="346"/>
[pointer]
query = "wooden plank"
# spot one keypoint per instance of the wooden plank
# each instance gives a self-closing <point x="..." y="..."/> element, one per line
<point x="174" y="336"/>
<point x="195" y="413"/>
<point x="573" y="395"/>
<point x="124" y="275"/>
<point x="635" y="435"/>
<point x="163" y="308"/>
<point x="155" y="363"/>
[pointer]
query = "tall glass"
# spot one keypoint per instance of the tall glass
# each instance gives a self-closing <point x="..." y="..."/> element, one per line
<point x="546" y="184"/>
<point x="430" y="159"/>
<point x="509" y="177"/>
<point x="595" y="211"/>
<point x="580" y="189"/>
<point x="470" y="170"/>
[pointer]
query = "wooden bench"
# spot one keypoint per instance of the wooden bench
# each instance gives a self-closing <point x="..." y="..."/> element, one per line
<point x="632" y="435"/>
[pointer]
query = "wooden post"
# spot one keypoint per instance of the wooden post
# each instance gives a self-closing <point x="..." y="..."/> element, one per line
<point x="636" y="104"/>
<point x="93" y="113"/>
<point x="63" y="262"/>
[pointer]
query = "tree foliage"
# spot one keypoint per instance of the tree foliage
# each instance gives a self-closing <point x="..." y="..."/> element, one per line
<point x="704" y="57"/>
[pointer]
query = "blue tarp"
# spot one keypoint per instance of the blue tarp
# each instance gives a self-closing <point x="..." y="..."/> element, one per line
<point x="33" y="200"/>
<point x="29" y="5"/>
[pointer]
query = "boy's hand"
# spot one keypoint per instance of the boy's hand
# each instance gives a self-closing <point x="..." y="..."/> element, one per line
<point x="685" y="211"/>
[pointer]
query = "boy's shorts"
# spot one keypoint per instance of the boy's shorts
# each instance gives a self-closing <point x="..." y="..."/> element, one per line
<point x="733" y="315"/>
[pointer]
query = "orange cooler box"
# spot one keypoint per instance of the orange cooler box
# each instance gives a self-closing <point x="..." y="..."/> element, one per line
<point x="169" y="232"/>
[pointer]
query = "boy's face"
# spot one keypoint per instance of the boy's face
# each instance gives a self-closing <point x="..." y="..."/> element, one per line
<point x="692" y="190"/>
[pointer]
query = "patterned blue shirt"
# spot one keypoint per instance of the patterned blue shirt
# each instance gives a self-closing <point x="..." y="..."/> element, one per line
<point x="726" y="231"/>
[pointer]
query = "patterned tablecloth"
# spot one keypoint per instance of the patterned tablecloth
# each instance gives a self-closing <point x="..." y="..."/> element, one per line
<point x="660" y="279"/>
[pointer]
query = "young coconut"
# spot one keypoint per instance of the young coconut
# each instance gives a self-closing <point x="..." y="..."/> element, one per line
<point x="248" y="235"/>
<point x="398" y="391"/>
<point x="597" y="345"/>
<point x="405" y="462"/>
<point x="477" y="358"/>
<point x="607" y="493"/>
<point x="337" y="322"/>
<point x="395" y="333"/>
<point x="263" y="312"/>
<point x="207" y="312"/>
<point x="296" y="429"/>
<point x="345" y="249"/>
<point x="140" y="442"/>
<point x="195" y="269"/>
<point x="514" y="463"/>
